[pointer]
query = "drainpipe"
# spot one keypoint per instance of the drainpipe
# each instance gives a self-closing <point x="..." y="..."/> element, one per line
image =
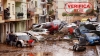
<point x="2" y="1"/>
<point x="98" y="6"/>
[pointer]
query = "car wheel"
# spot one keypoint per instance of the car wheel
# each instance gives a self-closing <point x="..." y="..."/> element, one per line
<point x="75" y="35"/>
<point x="74" y="47"/>
<point x="35" y="40"/>
<point x="19" y="45"/>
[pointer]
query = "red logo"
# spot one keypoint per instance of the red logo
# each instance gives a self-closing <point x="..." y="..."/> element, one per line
<point x="78" y="7"/>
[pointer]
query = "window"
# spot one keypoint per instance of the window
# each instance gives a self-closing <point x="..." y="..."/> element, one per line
<point x="0" y="8"/>
<point x="31" y="2"/>
<point x="9" y="6"/>
<point x="13" y="8"/>
<point x="22" y="8"/>
<point x="35" y="3"/>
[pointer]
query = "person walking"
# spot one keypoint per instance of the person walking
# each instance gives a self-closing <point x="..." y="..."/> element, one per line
<point x="11" y="38"/>
<point x="7" y="37"/>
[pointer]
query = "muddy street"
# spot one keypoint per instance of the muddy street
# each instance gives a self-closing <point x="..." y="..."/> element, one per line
<point x="58" y="48"/>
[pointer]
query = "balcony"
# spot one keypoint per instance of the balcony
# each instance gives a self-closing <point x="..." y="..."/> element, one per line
<point x="49" y="1"/>
<point x="18" y="0"/>
<point x="28" y="0"/>
<point x="6" y="14"/>
<point x="44" y="13"/>
<point x="32" y="9"/>
<point x="19" y="15"/>
<point x="43" y="1"/>
<point x="30" y="14"/>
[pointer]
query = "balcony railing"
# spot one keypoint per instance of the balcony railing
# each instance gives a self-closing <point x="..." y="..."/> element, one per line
<point x="19" y="15"/>
<point x="28" y="0"/>
<point x="43" y="1"/>
<point x="49" y="1"/>
<point x="18" y="0"/>
<point x="32" y="9"/>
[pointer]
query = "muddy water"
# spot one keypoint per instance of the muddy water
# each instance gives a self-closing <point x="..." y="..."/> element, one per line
<point x="62" y="48"/>
<point x="90" y="51"/>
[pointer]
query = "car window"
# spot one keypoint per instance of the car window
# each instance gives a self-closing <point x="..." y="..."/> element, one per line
<point x="23" y="37"/>
<point x="82" y="28"/>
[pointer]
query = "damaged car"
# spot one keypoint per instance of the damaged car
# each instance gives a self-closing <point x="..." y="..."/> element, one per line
<point x="92" y="38"/>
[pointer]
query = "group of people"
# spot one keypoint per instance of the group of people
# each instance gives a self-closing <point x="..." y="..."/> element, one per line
<point x="10" y="38"/>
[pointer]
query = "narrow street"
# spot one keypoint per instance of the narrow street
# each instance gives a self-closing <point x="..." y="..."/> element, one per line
<point x="60" y="48"/>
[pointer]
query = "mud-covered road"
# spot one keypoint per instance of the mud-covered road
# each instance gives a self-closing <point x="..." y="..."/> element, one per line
<point x="59" y="48"/>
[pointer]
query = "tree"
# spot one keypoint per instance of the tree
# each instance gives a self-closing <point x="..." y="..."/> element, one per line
<point x="64" y="14"/>
<point x="50" y="12"/>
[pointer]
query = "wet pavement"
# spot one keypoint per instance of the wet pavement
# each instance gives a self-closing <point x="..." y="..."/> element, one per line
<point x="58" y="48"/>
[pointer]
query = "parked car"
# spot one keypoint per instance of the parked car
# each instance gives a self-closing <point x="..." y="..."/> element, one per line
<point x="41" y="31"/>
<point x="92" y="38"/>
<point x="37" y="37"/>
<point x="22" y="39"/>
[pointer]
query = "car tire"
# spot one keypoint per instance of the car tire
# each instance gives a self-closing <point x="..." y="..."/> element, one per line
<point x="19" y="45"/>
<point x="74" y="48"/>
<point x="75" y="35"/>
<point x="35" y="40"/>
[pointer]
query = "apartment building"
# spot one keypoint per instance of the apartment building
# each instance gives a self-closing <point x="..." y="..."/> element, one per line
<point x="30" y="13"/>
<point x="51" y="7"/>
<point x="43" y="8"/>
<point x="61" y="4"/>
<point x="14" y="17"/>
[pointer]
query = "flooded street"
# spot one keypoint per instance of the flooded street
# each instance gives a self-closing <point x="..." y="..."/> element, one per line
<point x="59" y="48"/>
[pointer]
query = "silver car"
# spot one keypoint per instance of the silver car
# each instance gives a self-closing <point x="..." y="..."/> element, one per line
<point x="35" y="36"/>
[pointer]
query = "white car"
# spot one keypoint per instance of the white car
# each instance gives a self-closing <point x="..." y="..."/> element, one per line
<point x="37" y="37"/>
<point x="22" y="39"/>
<point x="41" y="31"/>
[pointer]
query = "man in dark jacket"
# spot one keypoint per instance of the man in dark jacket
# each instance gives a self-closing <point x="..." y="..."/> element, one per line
<point x="12" y="37"/>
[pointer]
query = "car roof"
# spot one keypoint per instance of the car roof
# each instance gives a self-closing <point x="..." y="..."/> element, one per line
<point x="19" y="34"/>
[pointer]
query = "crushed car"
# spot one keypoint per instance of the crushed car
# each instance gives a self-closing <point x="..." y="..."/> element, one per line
<point x="92" y="38"/>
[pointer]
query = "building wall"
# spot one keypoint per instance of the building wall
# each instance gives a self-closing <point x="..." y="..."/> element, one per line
<point x="0" y="17"/>
<point x="60" y="9"/>
<point x="5" y="4"/>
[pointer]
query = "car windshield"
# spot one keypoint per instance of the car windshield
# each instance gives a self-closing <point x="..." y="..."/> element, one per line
<point x="23" y="37"/>
<point x="82" y="28"/>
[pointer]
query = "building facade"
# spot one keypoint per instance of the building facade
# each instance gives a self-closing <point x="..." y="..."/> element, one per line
<point x="14" y="17"/>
